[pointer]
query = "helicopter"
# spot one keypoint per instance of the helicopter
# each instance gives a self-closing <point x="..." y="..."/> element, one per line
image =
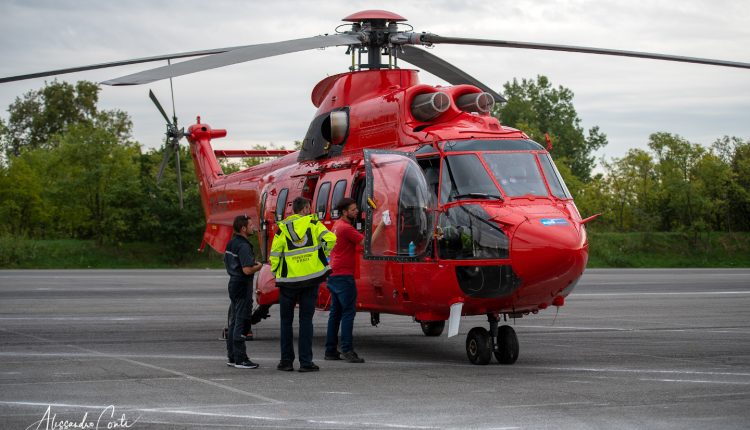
<point x="483" y="223"/>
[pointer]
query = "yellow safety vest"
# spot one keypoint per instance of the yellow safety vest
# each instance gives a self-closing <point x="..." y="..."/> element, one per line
<point x="300" y="250"/>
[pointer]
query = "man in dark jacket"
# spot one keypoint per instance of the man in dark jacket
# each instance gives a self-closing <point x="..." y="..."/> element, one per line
<point x="240" y="263"/>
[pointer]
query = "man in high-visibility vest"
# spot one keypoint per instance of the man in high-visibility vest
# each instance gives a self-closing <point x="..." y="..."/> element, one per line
<point x="299" y="260"/>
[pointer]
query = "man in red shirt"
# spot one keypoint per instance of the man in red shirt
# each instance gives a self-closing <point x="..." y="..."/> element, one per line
<point x="341" y="283"/>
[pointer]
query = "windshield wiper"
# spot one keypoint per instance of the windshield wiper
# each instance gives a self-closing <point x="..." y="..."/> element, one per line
<point x="479" y="196"/>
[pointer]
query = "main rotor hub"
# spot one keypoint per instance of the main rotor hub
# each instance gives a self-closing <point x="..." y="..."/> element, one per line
<point x="377" y="28"/>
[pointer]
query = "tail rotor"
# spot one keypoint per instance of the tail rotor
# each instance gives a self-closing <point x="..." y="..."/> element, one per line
<point x="171" y="143"/>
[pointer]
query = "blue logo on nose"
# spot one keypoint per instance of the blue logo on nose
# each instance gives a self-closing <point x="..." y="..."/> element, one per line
<point x="553" y="221"/>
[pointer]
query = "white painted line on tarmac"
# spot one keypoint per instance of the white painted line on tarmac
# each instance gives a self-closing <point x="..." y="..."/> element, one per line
<point x="695" y="381"/>
<point x="159" y="368"/>
<point x="623" y="370"/>
<point x="708" y="396"/>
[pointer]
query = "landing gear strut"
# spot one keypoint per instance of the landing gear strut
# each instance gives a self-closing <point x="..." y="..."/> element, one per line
<point x="500" y="341"/>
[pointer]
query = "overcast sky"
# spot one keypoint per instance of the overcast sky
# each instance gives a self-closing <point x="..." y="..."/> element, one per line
<point x="269" y="100"/>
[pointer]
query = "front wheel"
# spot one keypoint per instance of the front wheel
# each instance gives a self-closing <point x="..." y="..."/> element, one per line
<point x="432" y="328"/>
<point x="478" y="347"/>
<point x="507" y="345"/>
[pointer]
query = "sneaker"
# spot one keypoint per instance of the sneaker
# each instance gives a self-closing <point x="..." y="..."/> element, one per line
<point x="312" y="367"/>
<point x="247" y="364"/>
<point x="352" y="357"/>
<point x="230" y="362"/>
<point x="285" y="366"/>
<point x="335" y="356"/>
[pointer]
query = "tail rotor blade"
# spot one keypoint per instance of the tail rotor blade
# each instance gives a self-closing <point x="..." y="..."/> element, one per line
<point x="168" y="148"/>
<point x="179" y="171"/>
<point x="158" y="106"/>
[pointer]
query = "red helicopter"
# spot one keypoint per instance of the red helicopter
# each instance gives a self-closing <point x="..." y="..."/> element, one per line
<point x="482" y="222"/>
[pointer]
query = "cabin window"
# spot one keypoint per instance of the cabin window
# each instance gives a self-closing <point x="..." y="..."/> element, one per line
<point x="281" y="204"/>
<point x="338" y="194"/>
<point x="322" y="201"/>
<point x="360" y="196"/>
<point x="554" y="179"/>
<point x="431" y="169"/>
<point x="517" y="173"/>
<point x="464" y="177"/>
<point x="414" y="223"/>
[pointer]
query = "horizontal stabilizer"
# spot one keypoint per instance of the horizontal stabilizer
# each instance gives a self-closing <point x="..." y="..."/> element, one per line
<point x="241" y="153"/>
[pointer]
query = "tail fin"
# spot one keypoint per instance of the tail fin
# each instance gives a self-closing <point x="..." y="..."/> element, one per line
<point x="207" y="167"/>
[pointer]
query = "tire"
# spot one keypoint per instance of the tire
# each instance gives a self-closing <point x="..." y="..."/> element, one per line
<point x="507" y="345"/>
<point x="432" y="328"/>
<point x="478" y="346"/>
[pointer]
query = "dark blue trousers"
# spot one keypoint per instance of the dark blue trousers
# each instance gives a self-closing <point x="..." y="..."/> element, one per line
<point x="342" y="312"/>
<point x="306" y="298"/>
<point x="241" y="302"/>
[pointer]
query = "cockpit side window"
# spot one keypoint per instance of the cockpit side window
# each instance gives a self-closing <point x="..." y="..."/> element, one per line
<point x="554" y="179"/>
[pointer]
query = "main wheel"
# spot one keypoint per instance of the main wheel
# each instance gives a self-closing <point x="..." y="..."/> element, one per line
<point x="507" y="345"/>
<point x="432" y="328"/>
<point x="478" y="347"/>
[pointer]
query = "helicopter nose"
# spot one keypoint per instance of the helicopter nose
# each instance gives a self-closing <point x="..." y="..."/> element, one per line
<point x="549" y="253"/>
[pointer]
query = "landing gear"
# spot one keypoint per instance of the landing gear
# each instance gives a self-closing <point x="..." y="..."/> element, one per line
<point x="432" y="328"/>
<point x="506" y="346"/>
<point x="478" y="346"/>
<point x="500" y="341"/>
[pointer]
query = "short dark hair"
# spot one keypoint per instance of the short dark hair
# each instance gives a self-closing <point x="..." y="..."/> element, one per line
<point x="239" y="222"/>
<point x="344" y="204"/>
<point x="300" y="203"/>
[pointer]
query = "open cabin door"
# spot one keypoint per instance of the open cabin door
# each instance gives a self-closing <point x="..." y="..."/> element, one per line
<point x="396" y="184"/>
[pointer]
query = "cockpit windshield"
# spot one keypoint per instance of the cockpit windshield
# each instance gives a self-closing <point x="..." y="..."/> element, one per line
<point x="517" y="173"/>
<point x="465" y="177"/>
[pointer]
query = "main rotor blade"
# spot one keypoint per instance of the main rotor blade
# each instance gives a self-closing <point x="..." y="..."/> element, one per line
<point x="117" y="63"/>
<point x="234" y="56"/>
<point x="179" y="171"/>
<point x="443" y="69"/>
<point x="168" y="148"/>
<point x="433" y="38"/>
<point x="158" y="106"/>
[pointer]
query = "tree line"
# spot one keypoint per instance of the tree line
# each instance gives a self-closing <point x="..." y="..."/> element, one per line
<point x="71" y="170"/>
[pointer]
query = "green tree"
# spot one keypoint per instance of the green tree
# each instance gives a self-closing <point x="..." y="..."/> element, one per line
<point x="682" y="202"/>
<point x="34" y="119"/>
<point x="24" y="208"/>
<point x="632" y="184"/>
<point x="94" y="182"/>
<point x="537" y="108"/>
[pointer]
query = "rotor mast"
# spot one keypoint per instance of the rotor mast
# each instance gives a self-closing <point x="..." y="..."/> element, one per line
<point x="377" y="26"/>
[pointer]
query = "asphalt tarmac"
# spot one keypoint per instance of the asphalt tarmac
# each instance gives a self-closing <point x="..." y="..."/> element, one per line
<point x="139" y="349"/>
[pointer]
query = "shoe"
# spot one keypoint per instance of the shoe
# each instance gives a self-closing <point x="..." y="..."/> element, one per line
<point x="285" y="366"/>
<point x="352" y="357"/>
<point x="309" y="368"/>
<point x="334" y="356"/>
<point x="247" y="364"/>
<point x="230" y="362"/>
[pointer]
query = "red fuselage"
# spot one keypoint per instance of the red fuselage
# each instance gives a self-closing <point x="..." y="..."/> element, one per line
<point x="483" y="209"/>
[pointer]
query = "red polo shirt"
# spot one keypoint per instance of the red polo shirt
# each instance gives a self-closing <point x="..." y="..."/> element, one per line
<point x="344" y="253"/>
